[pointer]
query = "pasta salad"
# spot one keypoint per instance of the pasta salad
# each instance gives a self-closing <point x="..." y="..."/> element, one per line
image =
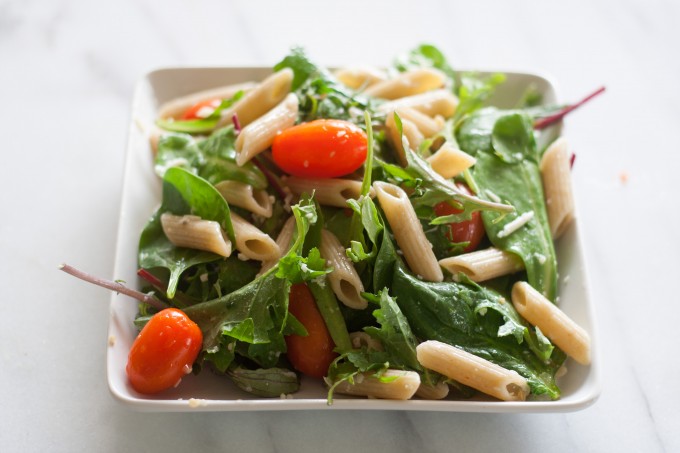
<point x="382" y="230"/>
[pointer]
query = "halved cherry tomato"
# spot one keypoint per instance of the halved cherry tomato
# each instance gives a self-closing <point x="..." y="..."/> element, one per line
<point x="201" y="109"/>
<point x="313" y="354"/>
<point x="471" y="231"/>
<point x="320" y="149"/>
<point x="164" y="351"/>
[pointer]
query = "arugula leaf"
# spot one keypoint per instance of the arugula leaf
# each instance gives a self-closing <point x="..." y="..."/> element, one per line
<point x="268" y="383"/>
<point x="451" y="312"/>
<point x="428" y="56"/>
<point x="473" y="92"/>
<point x="183" y="193"/>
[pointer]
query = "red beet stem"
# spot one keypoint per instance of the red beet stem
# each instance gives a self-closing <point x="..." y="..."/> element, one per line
<point x="552" y="119"/>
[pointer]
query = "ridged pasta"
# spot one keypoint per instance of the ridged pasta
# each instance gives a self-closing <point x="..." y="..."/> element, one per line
<point x="553" y="322"/>
<point x="344" y="279"/>
<point x="244" y="196"/>
<point x="284" y="241"/>
<point x="408" y="231"/>
<point x="433" y="392"/>
<point x="432" y="103"/>
<point x="398" y="385"/>
<point x="176" y="107"/>
<point x="473" y="371"/>
<point x="327" y="191"/>
<point x="449" y="161"/>
<point x="425" y="124"/>
<point x="252" y="242"/>
<point x="408" y="83"/>
<point x="482" y="265"/>
<point x="357" y="78"/>
<point x="261" y="99"/>
<point x="259" y="135"/>
<point x="559" y="198"/>
<point x="410" y="132"/>
<point x="195" y="233"/>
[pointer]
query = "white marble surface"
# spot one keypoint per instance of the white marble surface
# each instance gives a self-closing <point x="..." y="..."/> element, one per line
<point x="67" y="70"/>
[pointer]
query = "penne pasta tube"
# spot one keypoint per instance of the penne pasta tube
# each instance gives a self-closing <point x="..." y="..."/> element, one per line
<point x="553" y="322"/>
<point x="260" y="99"/>
<point x="449" y="161"/>
<point x="431" y="103"/>
<point x="361" y="339"/>
<point x="252" y="242"/>
<point x="357" y="78"/>
<point x="344" y="279"/>
<point x="244" y="196"/>
<point x="327" y="191"/>
<point x="176" y="107"/>
<point x="433" y="392"/>
<point x="473" y="371"/>
<point x="426" y="125"/>
<point x="408" y="231"/>
<point x="408" y="83"/>
<point x="398" y="385"/>
<point x="483" y="265"/>
<point x="195" y="233"/>
<point x="284" y="241"/>
<point x="559" y="199"/>
<point x="259" y="135"/>
<point x="410" y="132"/>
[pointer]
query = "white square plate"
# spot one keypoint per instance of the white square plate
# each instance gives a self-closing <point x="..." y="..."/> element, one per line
<point x="207" y="392"/>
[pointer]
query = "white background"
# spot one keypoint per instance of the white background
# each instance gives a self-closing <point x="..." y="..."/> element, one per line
<point x="67" y="71"/>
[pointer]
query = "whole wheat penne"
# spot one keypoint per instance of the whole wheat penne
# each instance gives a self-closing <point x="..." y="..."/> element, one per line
<point x="426" y="125"/>
<point x="397" y="385"/>
<point x="431" y="103"/>
<point x="360" y="77"/>
<point x="410" y="132"/>
<point x="176" y="107"/>
<point x="482" y="265"/>
<point x="284" y="241"/>
<point x="553" y="322"/>
<point x="449" y="161"/>
<point x="244" y="196"/>
<point x="195" y="233"/>
<point x="473" y="371"/>
<point x="344" y="279"/>
<point x="260" y="99"/>
<point x="252" y="242"/>
<point x="408" y="231"/>
<point x="556" y="175"/>
<point x="408" y="83"/>
<point x="259" y="135"/>
<point x="433" y="392"/>
<point x="362" y="339"/>
<point x="327" y="191"/>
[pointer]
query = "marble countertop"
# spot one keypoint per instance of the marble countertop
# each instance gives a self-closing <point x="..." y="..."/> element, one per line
<point x="67" y="72"/>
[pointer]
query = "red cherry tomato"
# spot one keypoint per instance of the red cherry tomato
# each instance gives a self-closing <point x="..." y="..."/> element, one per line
<point x="471" y="231"/>
<point x="163" y="352"/>
<point x="320" y="149"/>
<point x="201" y="109"/>
<point x="313" y="354"/>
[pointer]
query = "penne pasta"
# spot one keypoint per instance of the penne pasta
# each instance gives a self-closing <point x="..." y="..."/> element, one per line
<point x="244" y="196"/>
<point x="259" y="135"/>
<point x="195" y="233"/>
<point x="284" y="241"/>
<point x="426" y="125"/>
<point x="432" y="103"/>
<point x="176" y="107"/>
<point x="483" y="265"/>
<point x="553" y="322"/>
<point x="409" y="83"/>
<point x="362" y="339"/>
<point x="433" y="392"/>
<point x="473" y="371"/>
<point x="357" y="78"/>
<point x="449" y="161"/>
<point x="260" y="99"/>
<point x="411" y="134"/>
<point x="408" y="231"/>
<point x="556" y="175"/>
<point x="328" y="192"/>
<point x="252" y="242"/>
<point x="344" y="279"/>
<point x="397" y="385"/>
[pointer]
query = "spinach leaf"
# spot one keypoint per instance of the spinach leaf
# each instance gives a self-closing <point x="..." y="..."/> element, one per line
<point x="477" y="320"/>
<point x="183" y="193"/>
<point x="213" y="159"/>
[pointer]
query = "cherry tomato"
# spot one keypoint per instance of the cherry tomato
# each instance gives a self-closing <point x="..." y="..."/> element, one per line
<point x="320" y="149"/>
<point x="313" y="354"/>
<point x="471" y="231"/>
<point x="201" y="109"/>
<point x="163" y="352"/>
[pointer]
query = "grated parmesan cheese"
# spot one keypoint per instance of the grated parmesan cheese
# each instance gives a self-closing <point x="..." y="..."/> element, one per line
<point x="197" y="402"/>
